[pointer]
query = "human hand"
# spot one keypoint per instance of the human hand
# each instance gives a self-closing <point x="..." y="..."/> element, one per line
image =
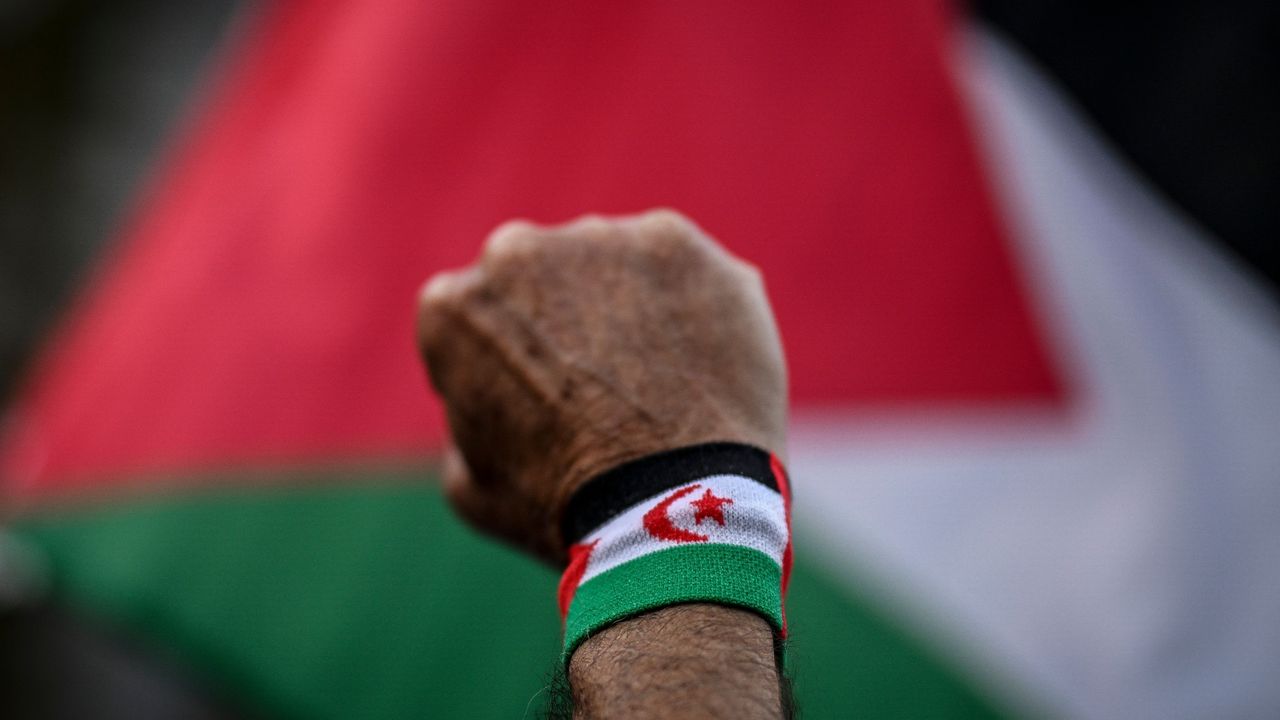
<point x="565" y="351"/>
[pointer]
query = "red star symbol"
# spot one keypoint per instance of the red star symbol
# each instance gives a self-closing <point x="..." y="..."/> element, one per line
<point x="709" y="507"/>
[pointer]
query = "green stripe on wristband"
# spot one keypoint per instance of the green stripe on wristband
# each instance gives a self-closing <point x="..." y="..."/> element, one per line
<point x="701" y="572"/>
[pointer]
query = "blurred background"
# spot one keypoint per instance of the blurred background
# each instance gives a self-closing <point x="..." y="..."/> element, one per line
<point x="1021" y="253"/>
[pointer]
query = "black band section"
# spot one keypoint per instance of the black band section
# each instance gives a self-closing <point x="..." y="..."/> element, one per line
<point x="611" y="493"/>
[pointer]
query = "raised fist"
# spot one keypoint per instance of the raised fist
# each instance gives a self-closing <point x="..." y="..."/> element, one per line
<point x="565" y="351"/>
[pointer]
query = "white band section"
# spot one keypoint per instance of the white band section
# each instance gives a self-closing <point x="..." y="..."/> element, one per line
<point x="754" y="517"/>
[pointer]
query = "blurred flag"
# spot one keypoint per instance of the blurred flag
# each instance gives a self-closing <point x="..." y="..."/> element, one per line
<point x="1034" y="407"/>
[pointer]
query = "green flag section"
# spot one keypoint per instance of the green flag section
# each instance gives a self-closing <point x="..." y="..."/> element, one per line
<point x="369" y="598"/>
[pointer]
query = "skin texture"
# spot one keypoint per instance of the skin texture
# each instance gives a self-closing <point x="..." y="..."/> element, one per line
<point x="684" y="661"/>
<point x="565" y="351"/>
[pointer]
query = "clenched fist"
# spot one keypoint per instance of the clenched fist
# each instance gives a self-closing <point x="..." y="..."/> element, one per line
<point x="565" y="351"/>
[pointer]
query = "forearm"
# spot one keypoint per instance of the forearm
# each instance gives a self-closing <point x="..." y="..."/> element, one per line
<point x="683" y="661"/>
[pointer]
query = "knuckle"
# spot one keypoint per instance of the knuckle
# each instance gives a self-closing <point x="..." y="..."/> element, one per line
<point x="511" y="238"/>
<point x="749" y="270"/>
<point x="453" y="288"/>
<point x="671" y="226"/>
<point x="670" y="230"/>
<point x="436" y="295"/>
<point x="591" y="226"/>
<point x="438" y="289"/>
<point x="668" y="219"/>
<point x="444" y="296"/>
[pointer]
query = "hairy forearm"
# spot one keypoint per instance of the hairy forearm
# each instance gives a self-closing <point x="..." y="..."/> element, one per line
<point x="684" y="661"/>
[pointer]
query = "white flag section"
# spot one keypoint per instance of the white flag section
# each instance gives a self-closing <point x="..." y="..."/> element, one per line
<point x="1121" y="560"/>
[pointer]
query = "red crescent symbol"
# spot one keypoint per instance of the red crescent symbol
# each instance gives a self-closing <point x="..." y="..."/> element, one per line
<point x="659" y="525"/>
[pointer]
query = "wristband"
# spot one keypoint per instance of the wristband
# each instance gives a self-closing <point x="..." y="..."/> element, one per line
<point x="706" y="523"/>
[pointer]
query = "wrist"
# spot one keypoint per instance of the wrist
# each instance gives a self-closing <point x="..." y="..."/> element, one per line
<point x="701" y="524"/>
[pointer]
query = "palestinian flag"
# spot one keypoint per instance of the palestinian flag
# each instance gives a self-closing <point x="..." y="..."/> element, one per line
<point x="1036" y="383"/>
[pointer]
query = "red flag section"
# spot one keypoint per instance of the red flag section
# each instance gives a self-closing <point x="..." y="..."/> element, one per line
<point x="261" y="308"/>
